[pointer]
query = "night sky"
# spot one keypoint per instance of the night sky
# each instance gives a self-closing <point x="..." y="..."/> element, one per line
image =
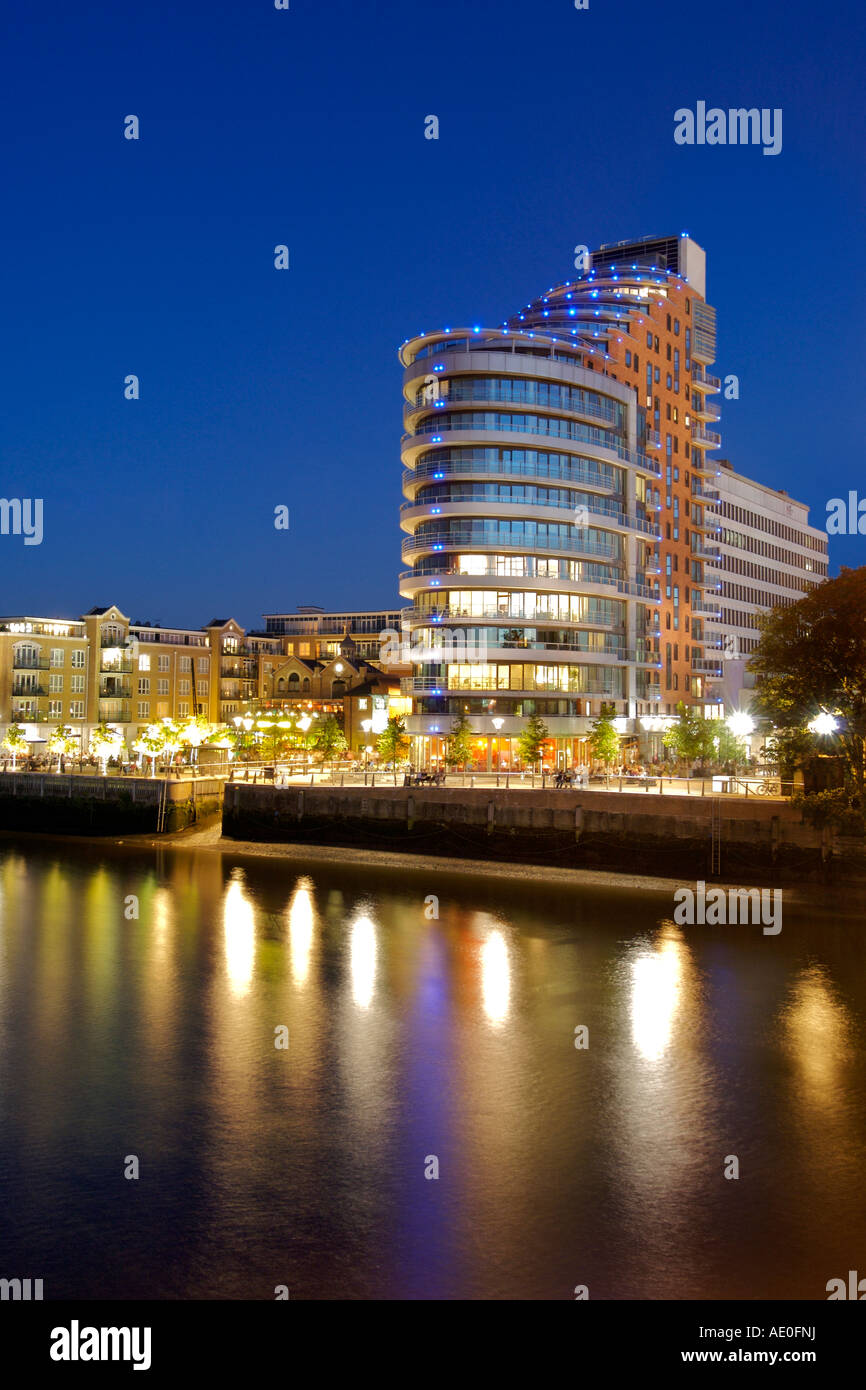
<point x="306" y="127"/>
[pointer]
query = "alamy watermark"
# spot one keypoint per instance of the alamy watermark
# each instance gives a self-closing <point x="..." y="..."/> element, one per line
<point x="715" y="907"/>
<point x="846" y="518"/>
<point x="421" y="648"/>
<point x="736" y="126"/>
<point x="22" y="516"/>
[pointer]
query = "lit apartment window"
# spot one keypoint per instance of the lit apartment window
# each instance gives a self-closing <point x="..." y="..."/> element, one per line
<point x="56" y="656"/>
<point x="76" y="709"/>
<point x="162" y="709"/>
<point x="183" y="708"/>
<point x="55" y="709"/>
<point x="143" y="709"/>
<point x="144" y="663"/>
<point x="78" y="658"/>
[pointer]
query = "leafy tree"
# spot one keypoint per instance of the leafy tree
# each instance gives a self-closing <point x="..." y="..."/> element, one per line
<point x="531" y="739"/>
<point x="61" y="742"/>
<point x="330" y="740"/>
<point x="151" y="743"/>
<point x="105" y="743"/>
<point x="458" y="747"/>
<point x="790" y="749"/>
<point x="15" y="741"/>
<point x="811" y="657"/>
<point x="603" y="737"/>
<point x="691" y="738"/>
<point x="392" y="743"/>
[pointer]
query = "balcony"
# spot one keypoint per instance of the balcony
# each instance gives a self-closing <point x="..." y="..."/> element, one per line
<point x="530" y="544"/>
<point x="113" y="644"/>
<point x="698" y="606"/>
<point x="706" y="439"/>
<point x="576" y="475"/>
<point x="121" y="665"/>
<point x="516" y="402"/>
<point x="430" y="685"/>
<point x="113" y="711"/>
<point x="429" y="579"/>
<point x="708" y="666"/>
<point x="29" y="663"/>
<point x="704" y="380"/>
<point x="704" y="411"/>
<point x="25" y="716"/>
<point x="627" y="520"/>
<point x="115" y="689"/>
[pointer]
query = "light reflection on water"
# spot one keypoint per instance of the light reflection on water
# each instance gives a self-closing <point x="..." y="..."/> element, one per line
<point x="412" y="1037"/>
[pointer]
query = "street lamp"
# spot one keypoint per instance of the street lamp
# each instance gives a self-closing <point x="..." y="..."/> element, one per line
<point x="823" y="723"/>
<point x="740" y="724"/>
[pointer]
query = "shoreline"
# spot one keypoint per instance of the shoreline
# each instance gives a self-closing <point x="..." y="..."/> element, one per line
<point x="208" y="838"/>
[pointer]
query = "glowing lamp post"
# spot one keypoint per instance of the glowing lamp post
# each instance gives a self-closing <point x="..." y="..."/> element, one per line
<point x="823" y="724"/>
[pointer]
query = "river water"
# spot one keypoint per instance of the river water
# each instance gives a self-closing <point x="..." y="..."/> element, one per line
<point x="416" y="1041"/>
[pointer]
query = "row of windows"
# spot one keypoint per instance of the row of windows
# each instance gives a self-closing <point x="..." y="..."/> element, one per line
<point x="774" y="528"/>
<point x="534" y="462"/>
<point x="497" y="423"/>
<point x="481" y="676"/>
<point x="525" y="494"/>
<point x="475" y="603"/>
<point x="758" y="597"/>
<point x="733" y="565"/>
<point x="526" y="391"/>
<point x="741" y="541"/>
<point x="535" y="535"/>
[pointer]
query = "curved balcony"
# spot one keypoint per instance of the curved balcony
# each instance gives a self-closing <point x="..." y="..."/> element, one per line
<point x="482" y="436"/>
<point x="411" y="581"/>
<point x="456" y="507"/>
<point x="437" y="470"/>
<point x="529" y="544"/>
<point x="430" y="685"/>
<point x="432" y="617"/>
<point x="704" y="411"/>
<point x="502" y="400"/>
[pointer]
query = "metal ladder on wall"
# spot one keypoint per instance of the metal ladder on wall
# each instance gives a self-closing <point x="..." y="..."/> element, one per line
<point x="716" y="835"/>
<point x="161" y="805"/>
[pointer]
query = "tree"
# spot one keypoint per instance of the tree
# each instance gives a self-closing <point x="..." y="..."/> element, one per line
<point x="105" y="743"/>
<point x="151" y="743"/>
<point x="330" y="740"/>
<point x="458" y="747"/>
<point x="691" y="738"/>
<point x="603" y="737"/>
<point x="15" y="741"/>
<point x="811" y="658"/>
<point x="61" y="742"/>
<point x="531" y="739"/>
<point x="392" y="743"/>
<point x="789" y="749"/>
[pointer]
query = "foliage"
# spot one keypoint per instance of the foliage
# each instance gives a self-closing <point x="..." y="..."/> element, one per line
<point x="62" y="742"/>
<point x="789" y="749"/>
<point x="812" y="657"/>
<point x="330" y="740"/>
<point x="14" y="740"/>
<point x="603" y="737"/>
<point x="690" y="739"/>
<point x="837" y="807"/>
<point x="458" y="747"/>
<point x="392" y="743"/>
<point x="531" y="739"/>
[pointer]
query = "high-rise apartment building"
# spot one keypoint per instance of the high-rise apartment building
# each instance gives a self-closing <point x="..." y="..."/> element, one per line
<point x="532" y="540"/>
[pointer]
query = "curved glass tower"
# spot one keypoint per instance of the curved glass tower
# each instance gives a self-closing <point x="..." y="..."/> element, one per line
<point x="531" y="548"/>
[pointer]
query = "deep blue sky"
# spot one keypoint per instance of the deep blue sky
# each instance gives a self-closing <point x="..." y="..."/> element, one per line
<point x="305" y="127"/>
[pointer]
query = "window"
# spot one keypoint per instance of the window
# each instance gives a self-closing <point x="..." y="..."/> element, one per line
<point x="55" y="709"/>
<point x="201" y="686"/>
<point x="143" y="709"/>
<point x="144" y="663"/>
<point x="669" y="325"/>
<point x="76" y="685"/>
<point x="165" y="663"/>
<point x="676" y="326"/>
<point x="636" y="363"/>
<point x="55" y="683"/>
<point x="162" y="687"/>
<point x="183" y="708"/>
<point x="203" y="665"/>
<point x="143" y="685"/>
<point x="186" y="663"/>
<point x="656" y="344"/>
<point x="627" y="358"/>
<point x="183" y="687"/>
<point x="78" y="659"/>
<point x="162" y="709"/>
<point x="657" y="375"/>
<point x="76" y="709"/>
<point x="56" y="656"/>
<point x="649" y="340"/>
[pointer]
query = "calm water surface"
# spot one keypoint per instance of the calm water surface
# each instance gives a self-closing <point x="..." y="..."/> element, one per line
<point x="411" y="1038"/>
